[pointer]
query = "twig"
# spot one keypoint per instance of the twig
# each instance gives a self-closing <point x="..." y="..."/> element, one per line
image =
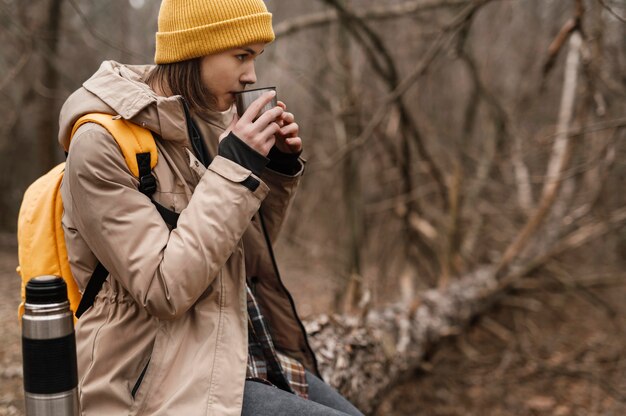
<point x="561" y="275"/>
<point x="558" y="159"/>
<point x="591" y="128"/>
<point x="571" y="241"/>
<point x="587" y="375"/>
<point x="13" y="72"/>
<point x="383" y="64"/>
<point x="557" y="44"/>
<point x="613" y="12"/>
<point x="89" y="26"/>
<point x="376" y="13"/>
<point x="429" y="56"/>
<point x="49" y="56"/>
<point x="391" y="203"/>
<point x="593" y="282"/>
<point x="496" y="328"/>
<point x="502" y="127"/>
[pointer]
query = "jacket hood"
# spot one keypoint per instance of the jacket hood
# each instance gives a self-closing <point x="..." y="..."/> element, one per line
<point x="120" y="90"/>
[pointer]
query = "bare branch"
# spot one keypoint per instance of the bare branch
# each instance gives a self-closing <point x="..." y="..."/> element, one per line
<point x="590" y="282"/>
<point x="572" y="25"/>
<point x="557" y="44"/>
<point x="591" y="128"/>
<point x="571" y="241"/>
<point x="522" y="175"/>
<point x="19" y="66"/>
<point x="613" y="12"/>
<point x="376" y="13"/>
<point x="558" y="159"/>
<point x="443" y="39"/>
<point x="104" y="39"/>
<point x="39" y="48"/>
<point x="385" y="67"/>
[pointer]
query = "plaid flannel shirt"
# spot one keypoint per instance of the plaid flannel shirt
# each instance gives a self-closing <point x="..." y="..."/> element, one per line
<point x="265" y="364"/>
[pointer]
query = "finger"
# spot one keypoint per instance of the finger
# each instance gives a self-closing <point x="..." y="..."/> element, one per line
<point x="267" y="145"/>
<point x="268" y="133"/>
<point x="294" y="144"/>
<point x="269" y="116"/>
<point x="290" y="130"/>
<point x="257" y="105"/>
<point x="285" y="119"/>
<point x="288" y="117"/>
<point x="281" y="122"/>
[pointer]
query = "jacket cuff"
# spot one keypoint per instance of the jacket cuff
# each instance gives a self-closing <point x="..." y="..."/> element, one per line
<point x="236" y="173"/>
<point x="234" y="149"/>
<point x="285" y="163"/>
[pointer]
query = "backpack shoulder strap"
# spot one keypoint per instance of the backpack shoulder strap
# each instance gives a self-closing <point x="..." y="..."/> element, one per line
<point x="136" y="143"/>
<point x="140" y="153"/>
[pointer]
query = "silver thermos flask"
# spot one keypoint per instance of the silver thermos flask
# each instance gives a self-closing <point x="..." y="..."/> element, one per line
<point x="49" y="349"/>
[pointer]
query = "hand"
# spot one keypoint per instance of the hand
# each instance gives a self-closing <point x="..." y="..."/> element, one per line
<point x="287" y="139"/>
<point x="259" y="134"/>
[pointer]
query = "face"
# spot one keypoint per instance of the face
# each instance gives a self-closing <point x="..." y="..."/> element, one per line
<point x="230" y="71"/>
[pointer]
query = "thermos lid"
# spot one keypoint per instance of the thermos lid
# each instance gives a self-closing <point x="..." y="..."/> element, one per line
<point x="45" y="290"/>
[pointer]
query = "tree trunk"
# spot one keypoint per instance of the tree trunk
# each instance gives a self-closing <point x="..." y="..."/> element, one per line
<point x="347" y="128"/>
<point x="46" y="131"/>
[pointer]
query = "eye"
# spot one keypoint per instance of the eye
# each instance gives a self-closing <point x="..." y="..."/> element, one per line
<point x="242" y="57"/>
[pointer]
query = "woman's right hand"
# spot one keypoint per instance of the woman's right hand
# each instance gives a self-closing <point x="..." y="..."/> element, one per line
<point x="259" y="133"/>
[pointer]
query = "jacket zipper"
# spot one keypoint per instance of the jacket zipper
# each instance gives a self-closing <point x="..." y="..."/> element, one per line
<point x="139" y="380"/>
<point x="282" y="285"/>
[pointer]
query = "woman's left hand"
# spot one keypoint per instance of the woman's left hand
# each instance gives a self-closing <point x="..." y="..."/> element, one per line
<point x="287" y="138"/>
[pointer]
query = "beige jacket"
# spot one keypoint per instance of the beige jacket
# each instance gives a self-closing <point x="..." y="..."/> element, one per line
<point x="175" y="299"/>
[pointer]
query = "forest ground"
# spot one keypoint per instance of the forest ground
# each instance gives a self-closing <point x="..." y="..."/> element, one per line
<point x="547" y="352"/>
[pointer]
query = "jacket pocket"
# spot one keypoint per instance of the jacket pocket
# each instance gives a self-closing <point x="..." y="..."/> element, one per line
<point x="133" y="392"/>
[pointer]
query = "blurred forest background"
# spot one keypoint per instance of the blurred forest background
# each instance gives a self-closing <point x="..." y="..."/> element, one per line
<point x="444" y="138"/>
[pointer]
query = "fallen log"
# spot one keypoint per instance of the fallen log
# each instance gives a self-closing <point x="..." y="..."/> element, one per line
<point x="363" y="357"/>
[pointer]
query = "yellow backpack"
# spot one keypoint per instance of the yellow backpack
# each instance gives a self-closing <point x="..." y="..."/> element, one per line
<point x="41" y="243"/>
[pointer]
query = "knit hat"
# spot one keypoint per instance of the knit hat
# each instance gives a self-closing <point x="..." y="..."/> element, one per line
<point x="192" y="28"/>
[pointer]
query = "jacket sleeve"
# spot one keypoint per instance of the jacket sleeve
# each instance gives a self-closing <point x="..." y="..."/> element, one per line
<point x="282" y="191"/>
<point x="165" y="272"/>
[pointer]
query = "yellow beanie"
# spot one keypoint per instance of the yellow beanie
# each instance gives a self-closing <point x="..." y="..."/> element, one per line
<point x="192" y="28"/>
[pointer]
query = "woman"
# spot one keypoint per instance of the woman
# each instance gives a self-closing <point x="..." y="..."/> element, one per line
<point x="193" y="318"/>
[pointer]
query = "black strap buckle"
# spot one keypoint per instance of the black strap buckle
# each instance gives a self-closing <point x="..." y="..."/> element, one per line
<point x="147" y="184"/>
<point x="147" y="181"/>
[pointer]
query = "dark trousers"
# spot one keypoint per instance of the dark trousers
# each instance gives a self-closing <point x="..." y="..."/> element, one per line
<point x="263" y="400"/>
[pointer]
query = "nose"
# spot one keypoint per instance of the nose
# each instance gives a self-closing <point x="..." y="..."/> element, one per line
<point x="249" y="75"/>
